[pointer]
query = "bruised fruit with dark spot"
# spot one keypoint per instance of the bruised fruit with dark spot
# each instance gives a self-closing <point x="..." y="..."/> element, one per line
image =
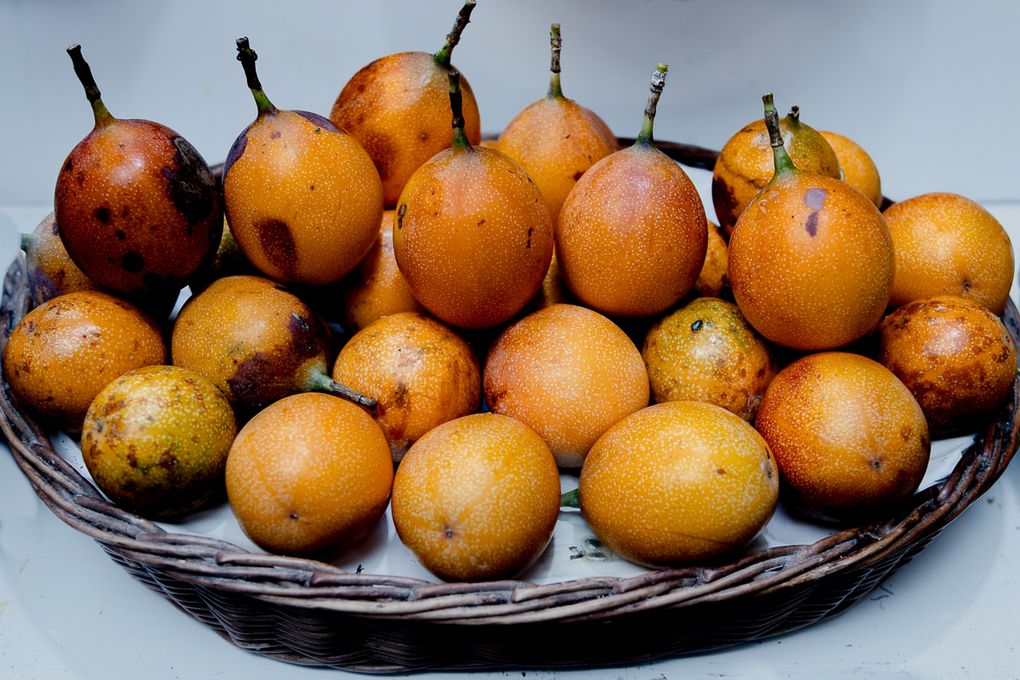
<point x="66" y="350"/>
<point x="302" y="197"/>
<point x="632" y="234"/>
<point x="398" y="108"/>
<point x="254" y="340"/>
<point x="745" y="166"/>
<point x="50" y="270"/>
<point x="707" y="351"/>
<point x="955" y="356"/>
<point x="849" y="437"/>
<point x="811" y="259"/>
<point x="420" y="373"/>
<point x="136" y="205"/>
<point x="376" y="287"/>
<point x="555" y="139"/>
<point x="472" y="235"/>
<point x="155" y="441"/>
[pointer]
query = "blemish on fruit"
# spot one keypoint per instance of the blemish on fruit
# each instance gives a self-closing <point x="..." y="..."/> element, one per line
<point x="278" y="244"/>
<point x="401" y="211"/>
<point x="293" y="516"/>
<point x="815" y="198"/>
<point x="448" y="532"/>
<point x="236" y="150"/>
<point x="812" y="224"/>
<point x="69" y="165"/>
<point x="121" y="234"/>
<point x="698" y="325"/>
<point x="531" y="231"/>
<point x="320" y="122"/>
<point x="191" y="186"/>
<point x="578" y="175"/>
<point x="276" y="135"/>
<point x="103" y="214"/>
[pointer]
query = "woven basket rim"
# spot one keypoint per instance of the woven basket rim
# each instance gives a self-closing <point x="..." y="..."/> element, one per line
<point x="308" y="584"/>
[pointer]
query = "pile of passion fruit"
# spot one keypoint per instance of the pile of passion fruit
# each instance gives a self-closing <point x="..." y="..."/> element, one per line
<point x="384" y="308"/>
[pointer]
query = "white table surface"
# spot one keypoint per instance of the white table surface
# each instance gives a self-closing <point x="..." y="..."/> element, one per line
<point x="67" y="612"/>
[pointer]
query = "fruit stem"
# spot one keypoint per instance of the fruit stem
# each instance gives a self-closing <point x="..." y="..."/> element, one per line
<point x="644" y="137"/>
<point x="555" y="91"/>
<point x="571" y="499"/>
<point x="81" y="69"/>
<point x="794" y="115"/>
<point x="442" y="57"/>
<point x="782" y="159"/>
<point x="323" y="383"/>
<point x="26" y="242"/>
<point x="460" y="140"/>
<point x="246" y="55"/>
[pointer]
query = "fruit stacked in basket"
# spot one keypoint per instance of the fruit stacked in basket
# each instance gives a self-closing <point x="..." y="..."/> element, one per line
<point x="386" y="309"/>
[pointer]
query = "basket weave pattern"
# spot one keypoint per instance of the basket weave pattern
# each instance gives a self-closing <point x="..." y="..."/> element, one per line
<point x="309" y="612"/>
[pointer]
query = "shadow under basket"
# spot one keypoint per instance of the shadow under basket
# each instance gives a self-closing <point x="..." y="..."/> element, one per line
<point x="309" y="612"/>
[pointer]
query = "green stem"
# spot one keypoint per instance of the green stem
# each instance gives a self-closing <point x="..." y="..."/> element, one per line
<point x="555" y="91"/>
<point x="246" y="55"/>
<point x="442" y="57"/>
<point x="571" y="499"/>
<point x="644" y="137"/>
<point x="783" y="163"/>
<point x="323" y="383"/>
<point x="460" y="140"/>
<point x="81" y="69"/>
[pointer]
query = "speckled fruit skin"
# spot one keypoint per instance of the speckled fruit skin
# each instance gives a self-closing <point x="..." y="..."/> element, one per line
<point x="714" y="276"/>
<point x="849" y="437"/>
<point x="954" y="356"/>
<point x="745" y="164"/>
<point x="138" y="208"/>
<point x="155" y="440"/>
<point x="303" y="198"/>
<point x="253" y="339"/>
<point x="947" y="244"/>
<point x="477" y="498"/>
<point x="706" y="351"/>
<point x="376" y="287"/>
<point x="568" y="373"/>
<point x="556" y="140"/>
<point x="632" y="234"/>
<point x="310" y="472"/>
<point x="398" y="107"/>
<point x="811" y="262"/>
<point x="66" y="350"/>
<point x="49" y="268"/>
<point x="678" y="482"/>
<point x="859" y="170"/>
<point x="472" y="237"/>
<point x="418" y="370"/>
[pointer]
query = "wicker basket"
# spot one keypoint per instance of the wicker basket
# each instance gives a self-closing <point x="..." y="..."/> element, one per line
<point x="309" y="612"/>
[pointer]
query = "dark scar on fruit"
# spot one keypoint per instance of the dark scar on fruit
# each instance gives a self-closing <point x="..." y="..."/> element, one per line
<point x="318" y="120"/>
<point x="401" y="211"/>
<point x="103" y="214"/>
<point x="815" y="199"/>
<point x="278" y="244"/>
<point x="304" y="340"/>
<point x="190" y="184"/>
<point x="531" y="230"/>
<point x="236" y="151"/>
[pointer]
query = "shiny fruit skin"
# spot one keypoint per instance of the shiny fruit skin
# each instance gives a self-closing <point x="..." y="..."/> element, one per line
<point x="745" y="164"/>
<point x="849" y="437"/>
<point x="155" y="440"/>
<point x="714" y="276"/>
<point x="49" y="268"/>
<point x="302" y="197"/>
<point x="947" y="244"/>
<point x="472" y="237"/>
<point x="376" y="288"/>
<point x="309" y="472"/>
<point x="252" y="338"/>
<point x="859" y="170"/>
<point x="954" y="356"/>
<point x="632" y="234"/>
<point x="678" y="482"/>
<point x="63" y="352"/>
<point x="556" y="140"/>
<point x="138" y="209"/>
<point x="706" y="351"/>
<point x="811" y="262"/>
<point x="477" y="498"/>
<point x="418" y="370"/>
<point x="568" y="373"/>
<point x="398" y="107"/>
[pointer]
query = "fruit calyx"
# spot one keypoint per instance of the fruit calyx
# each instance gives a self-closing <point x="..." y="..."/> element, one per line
<point x="442" y="57"/>
<point x="246" y="55"/>
<point x="81" y="69"/>
<point x="460" y="140"/>
<point x="644" y="137"/>
<point x="784" y="164"/>
<point x="556" y="43"/>
<point x="320" y="382"/>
